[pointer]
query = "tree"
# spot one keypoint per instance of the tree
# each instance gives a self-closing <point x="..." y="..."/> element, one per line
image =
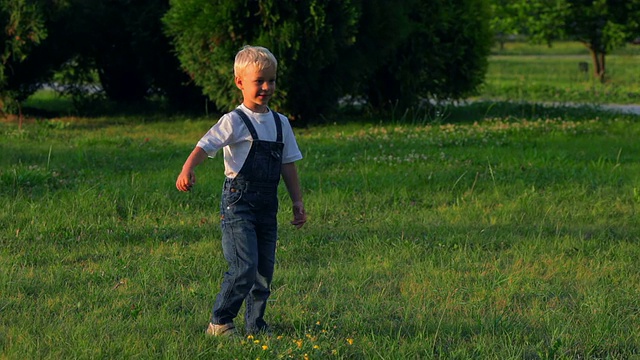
<point x="122" y="40"/>
<point x="503" y="20"/>
<point x="444" y="56"/>
<point x="601" y="25"/>
<point x="23" y="29"/>
<point x="388" y="52"/>
<point x="307" y="37"/>
<point x="121" y="45"/>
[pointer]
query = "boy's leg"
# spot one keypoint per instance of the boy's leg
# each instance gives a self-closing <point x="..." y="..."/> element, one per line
<point x="256" y="300"/>
<point x="239" y="245"/>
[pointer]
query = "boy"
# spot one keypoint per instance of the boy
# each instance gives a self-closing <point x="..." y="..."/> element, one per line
<point x="259" y="147"/>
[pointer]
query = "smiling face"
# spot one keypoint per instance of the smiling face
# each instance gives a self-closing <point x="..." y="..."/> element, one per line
<point x="257" y="86"/>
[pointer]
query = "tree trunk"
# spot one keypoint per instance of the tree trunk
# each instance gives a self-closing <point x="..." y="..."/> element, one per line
<point x="20" y="117"/>
<point x="598" y="57"/>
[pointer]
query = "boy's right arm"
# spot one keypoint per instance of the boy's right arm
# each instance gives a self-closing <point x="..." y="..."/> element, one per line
<point x="187" y="177"/>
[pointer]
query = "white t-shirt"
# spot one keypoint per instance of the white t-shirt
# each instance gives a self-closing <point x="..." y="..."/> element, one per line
<point x="231" y="135"/>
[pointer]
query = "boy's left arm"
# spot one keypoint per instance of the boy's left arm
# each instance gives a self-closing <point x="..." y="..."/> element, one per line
<point x="290" y="177"/>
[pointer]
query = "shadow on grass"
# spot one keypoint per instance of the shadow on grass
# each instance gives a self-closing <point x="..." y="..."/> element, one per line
<point x="100" y="112"/>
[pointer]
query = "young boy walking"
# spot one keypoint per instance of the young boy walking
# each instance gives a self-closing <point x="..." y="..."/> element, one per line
<point x="259" y="147"/>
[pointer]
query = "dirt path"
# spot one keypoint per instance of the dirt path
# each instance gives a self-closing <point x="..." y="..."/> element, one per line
<point x="625" y="109"/>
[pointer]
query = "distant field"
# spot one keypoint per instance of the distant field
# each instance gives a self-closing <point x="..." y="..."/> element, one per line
<point x="523" y="72"/>
<point x="556" y="48"/>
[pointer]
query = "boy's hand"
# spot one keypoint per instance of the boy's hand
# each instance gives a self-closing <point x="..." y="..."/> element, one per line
<point x="299" y="215"/>
<point x="186" y="180"/>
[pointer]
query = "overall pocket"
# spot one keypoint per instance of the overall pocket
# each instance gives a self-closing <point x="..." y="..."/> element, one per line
<point x="231" y="197"/>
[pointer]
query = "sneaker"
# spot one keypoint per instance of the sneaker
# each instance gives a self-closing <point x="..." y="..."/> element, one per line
<point x="222" y="330"/>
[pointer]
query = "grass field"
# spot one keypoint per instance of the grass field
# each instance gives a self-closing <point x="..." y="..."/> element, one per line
<point x="524" y="72"/>
<point x="507" y="232"/>
<point x="500" y="230"/>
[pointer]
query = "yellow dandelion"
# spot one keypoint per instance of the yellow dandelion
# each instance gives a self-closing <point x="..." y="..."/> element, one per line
<point x="306" y="356"/>
<point x="250" y="337"/>
<point x="256" y="341"/>
<point x="279" y="337"/>
<point x="299" y="343"/>
<point x="265" y="347"/>
<point x="318" y="322"/>
<point x="316" y="347"/>
<point x="350" y="341"/>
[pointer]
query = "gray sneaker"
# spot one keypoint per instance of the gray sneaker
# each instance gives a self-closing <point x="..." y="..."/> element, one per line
<point x="222" y="330"/>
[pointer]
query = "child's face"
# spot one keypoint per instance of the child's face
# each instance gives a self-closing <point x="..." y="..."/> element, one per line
<point x="257" y="87"/>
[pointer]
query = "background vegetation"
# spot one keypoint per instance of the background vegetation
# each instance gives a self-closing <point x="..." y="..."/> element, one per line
<point x="331" y="52"/>
<point x="560" y="73"/>
<point x="328" y="50"/>
<point x="600" y="25"/>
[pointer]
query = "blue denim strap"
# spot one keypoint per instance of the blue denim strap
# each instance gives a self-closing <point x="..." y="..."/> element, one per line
<point x="252" y="129"/>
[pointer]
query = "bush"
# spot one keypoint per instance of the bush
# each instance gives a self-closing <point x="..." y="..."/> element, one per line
<point x="389" y="52"/>
<point x="123" y="40"/>
<point x="443" y="57"/>
<point x="307" y="37"/>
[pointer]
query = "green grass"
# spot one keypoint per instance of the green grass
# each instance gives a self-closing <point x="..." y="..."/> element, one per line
<point x="507" y="232"/>
<point x="49" y="102"/>
<point x="518" y="48"/>
<point x="523" y="72"/>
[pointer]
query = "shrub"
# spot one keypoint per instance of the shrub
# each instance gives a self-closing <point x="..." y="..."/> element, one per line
<point x="389" y="52"/>
<point x="307" y="37"/>
<point x="443" y="57"/>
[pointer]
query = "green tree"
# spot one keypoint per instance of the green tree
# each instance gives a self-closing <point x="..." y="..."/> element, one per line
<point x="601" y="25"/>
<point x="122" y="40"/>
<point x="23" y="29"/>
<point x="307" y="37"/>
<point x="444" y="56"/>
<point x="388" y="52"/>
<point x="121" y="45"/>
<point x="503" y="20"/>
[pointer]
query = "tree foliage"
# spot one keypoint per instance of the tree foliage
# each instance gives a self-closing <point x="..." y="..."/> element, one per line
<point x="307" y="37"/>
<point x="601" y="25"/>
<point x="503" y="20"/>
<point x="384" y="52"/>
<point x="387" y="52"/>
<point x="123" y="40"/>
<point x="444" y="55"/>
<point x="23" y="28"/>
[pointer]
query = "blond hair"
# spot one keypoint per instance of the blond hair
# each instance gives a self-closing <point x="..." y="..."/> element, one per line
<point x="257" y="56"/>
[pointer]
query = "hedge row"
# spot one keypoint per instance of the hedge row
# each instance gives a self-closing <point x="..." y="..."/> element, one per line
<point x="386" y="53"/>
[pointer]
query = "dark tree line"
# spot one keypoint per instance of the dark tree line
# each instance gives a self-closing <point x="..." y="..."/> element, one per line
<point x="384" y="53"/>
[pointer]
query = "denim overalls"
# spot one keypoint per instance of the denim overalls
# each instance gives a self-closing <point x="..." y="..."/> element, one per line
<point x="248" y="211"/>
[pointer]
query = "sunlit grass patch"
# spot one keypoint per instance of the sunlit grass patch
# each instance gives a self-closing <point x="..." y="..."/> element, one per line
<point x="538" y="73"/>
<point x="507" y="233"/>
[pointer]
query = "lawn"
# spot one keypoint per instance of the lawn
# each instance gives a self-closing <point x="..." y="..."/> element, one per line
<point x="504" y="232"/>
